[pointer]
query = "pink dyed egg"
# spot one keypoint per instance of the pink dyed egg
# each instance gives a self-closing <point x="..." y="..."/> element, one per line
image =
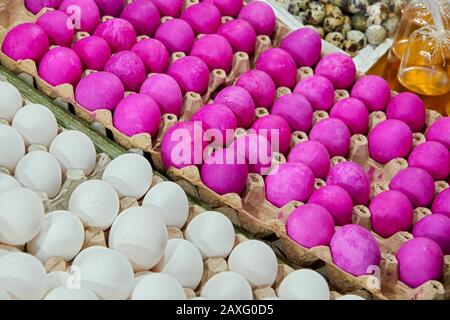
<point x="223" y="174"/>
<point x="339" y="68"/>
<point x="215" y="51"/>
<point x="278" y="64"/>
<point x="337" y="201"/>
<point x="333" y="134"/>
<point x="99" y="90"/>
<point x="37" y="5"/>
<point x="409" y="108"/>
<point x="318" y="90"/>
<point x="391" y="212"/>
<point x="289" y="182"/>
<point x="435" y="227"/>
<point x="169" y="8"/>
<point x="355" y="250"/>
<point x="137" y="113"/>
<point x="275" y="129"/>
<point x="240" y="102"/>
<point x="351" y="177"/>
<point x="433" y="157"/>
<point x="129" y="68"/>
<point x="296" y="110"/>
<point x="165" y="91"/>
<point x="143" y="15"/>
<point x="191" y="73"/>
<point x="310" y="225"/>
<point x="111" y="8"/>
<point x="440" y="131"/>
<point x="154" y="55"/>
<point x="441" y="203"/>
<point x="58" y="27"/>
<point x="373" y="91"/>
<point x="203" y="17"/>
<point x="353" y="113"/>
<point x="260" y="85"/>
<point x="33" y="42"/>
<point x="93" y="51"/>
<point x="85" y="13"/>
<point x="119" y="34"/>
<point x="183" y="145"/>
<point x="304" y="45"/>
<point x="261" y="16"/>
<point x="389" y="140"/>
<point x="176" y="34"/>
<point x="256" y="150"/>
<point x="419" y="260"/>
<point x="240" y="34"/>
<point x="60" y="65"/>
<point x="218" y="121"/>
<point x="312" y="154"/>
<point x="230" y="8"/>
<point x="416" y="184"/>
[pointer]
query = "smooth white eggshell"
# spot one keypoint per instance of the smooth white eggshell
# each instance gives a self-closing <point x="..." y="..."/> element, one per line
<point x="37" y="125"/>
<point x="304" y="284"/>
<point x="22" y="276"/>
<point x="106" y="272"/>
<point x="8" y="182"/>
<point x="12" y="147"/>
<point x="139" y="233"/>
<point x="61" y="235"/>
<point x="183" y="261"/>
<point x="57" y="279"/>
<point x="130" y="175"/>
<point x="227" y="286"/>
<point x="350" y="297"/>
<point x="158" y="286"/>
<point x="256" y="261"/>
<point x="64" y="293"/>
<point x="74" y="150"/>
<point x="172" y="202"/>
<point x="40" y="171"/>
<point x="96" y="203"/>
<point x="212" y="233"/>
<point x="10" y="102"/>
<point x="21" y="216"/>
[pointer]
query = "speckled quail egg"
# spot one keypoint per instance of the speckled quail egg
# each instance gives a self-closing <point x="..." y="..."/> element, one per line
<point x="296" y="6"/>
<point x="333" y="23"/>
<point x="376" y="13"/>
<point x="340" y="3"/>
<point x="358" y="37"/>
<point x="347" y="25"/>
<point x="391" y="24"/>
<point x="376" y="34"/>
<point x="301" y="17"/>
<point x="336" y="38"/>
<point x="357" y="6"/>
<point x="351" y="47"/>
<point x="359" y="22"/>
<point x="315" y="13"/>
<point x="331" y="9"/>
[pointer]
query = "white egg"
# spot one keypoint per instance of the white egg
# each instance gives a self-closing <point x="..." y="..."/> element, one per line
<point x="8" y="182"/>
<point x="96" y="203"/>
<point x="130" y="174"/>
<point x="61" y="235"/>
<point x="227" y="286"/>
<point x="158" y="286"/>
<point x="138" y="276"/>
<point x="106" y="272"/>
<point x="212" y="233"/>
<point x="172" y="201"/>
<point x="37" y="125"/>
<point x="57" y="279"/>
<point x="64" y="293"/>
<point x="21" y="216"/>
<point x="74" y="150"/>
<point x="256" y="261"/>
<point x="40" y="171"/>
<point x="22" y="276"/>
<point x="304" y="284"/>
<point x="4" y="295"/>
<point x="10" y="101"/>
<point x="12" y="147"/>
<point x="183" y="261"/>
<point x="140" y="234"/>
<point x="350" y="297"/>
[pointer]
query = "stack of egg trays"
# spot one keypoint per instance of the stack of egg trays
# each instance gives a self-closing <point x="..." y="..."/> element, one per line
<point x="252" y="211"/>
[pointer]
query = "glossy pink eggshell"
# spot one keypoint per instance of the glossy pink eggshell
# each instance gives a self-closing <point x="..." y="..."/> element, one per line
<point x="433" y="157"/>
<point x="37" y="5"/>
<point x="176" y="34"/>
<point x="143" y="15"/>
<point x="230" y="8"/>
<point x="353" y="113"/>
<point x="312" y="154"/>
<point x="279" y="65"/>
<point x="26" y="41"/>
<point x="256" y="150"/>
<point x="355" y="250"/>
<point x="119" y="34"/>
<point x="60" y="65"/>
<point x="191" y="73"/>
<point x="261" y="16"/>
<point x="435" y="227"/>
<point x="337" y="201"/>
<point x="333" y="134"/>
<point x="409" y="108"/>
<point x="99" y="90"/>
<point x="276" y="130"/>
<point x="203" y="17"/>
<point x="165" y="91"/>
<point x="310" y="225"/>
<point x="260" y="85"/>
<point x="304" y="45"/>
<point x="416" y="184"/>
<point x="154" y="55"/>
<point x="89" y="17"/>
<point x="93" y="51"/>
<point x="296" y="110"/>
<point x="339" y="68"/>
<point x="440" y="131"/>
<point x="351" y="177"/>
<point x="55" y="24"/>
<point x="390" y="139"/>
<point x="240" y="102"/>
<point x="419" y="260"/>
<point x="240" y="34"/>
<point x="170" y="8"/>
<point x="129" y="68"/>
<point x="441" y="203"/>
<point x="136" y="114"/>
<point x="218" y="117"/>
<point x="215" y="51"/>
<point x="111" y="8"/>
<point x="373" y="91"/>
<point x="318" y="90"/>
<point x="290" y="182"/>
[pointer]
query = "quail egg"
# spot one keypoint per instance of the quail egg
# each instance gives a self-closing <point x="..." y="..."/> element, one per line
<point x="359" y="22"/>
<point x="391" y="24"/>
<point x="357" y="6"/>
<point x="315" y="13"/>
<point x="376" y="34"/>
<point x="336" y="38"/>
<point x="333" y="23"/>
